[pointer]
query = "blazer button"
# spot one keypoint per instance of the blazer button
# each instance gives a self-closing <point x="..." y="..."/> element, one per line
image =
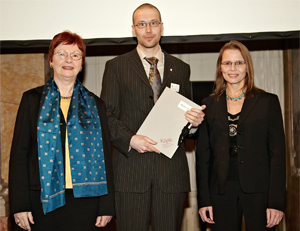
<point x="150" y="97"/>
<point x="241" y="161"/>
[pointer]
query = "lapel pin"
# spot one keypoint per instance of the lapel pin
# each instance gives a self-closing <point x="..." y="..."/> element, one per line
<point x="171" y="69"/>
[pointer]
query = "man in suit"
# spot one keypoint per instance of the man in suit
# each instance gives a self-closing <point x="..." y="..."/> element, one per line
<point x="149" y="186"/>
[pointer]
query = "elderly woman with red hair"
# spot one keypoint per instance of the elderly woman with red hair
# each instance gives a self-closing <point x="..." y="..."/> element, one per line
<point x="60" y="172"/>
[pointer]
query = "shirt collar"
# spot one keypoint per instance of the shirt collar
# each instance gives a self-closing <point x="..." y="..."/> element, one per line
<point x="159" y="55"/>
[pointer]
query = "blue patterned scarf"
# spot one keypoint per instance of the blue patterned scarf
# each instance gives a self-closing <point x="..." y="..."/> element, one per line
<point x="85" y="147"/>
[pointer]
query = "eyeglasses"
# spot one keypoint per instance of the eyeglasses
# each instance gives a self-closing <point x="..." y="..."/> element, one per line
<point x="142" y="25"/>
<point x="63" y="55"/>
<point x="236" y="63"/>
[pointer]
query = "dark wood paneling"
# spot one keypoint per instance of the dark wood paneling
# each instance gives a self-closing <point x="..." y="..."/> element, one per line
<point x="292" y="117"/>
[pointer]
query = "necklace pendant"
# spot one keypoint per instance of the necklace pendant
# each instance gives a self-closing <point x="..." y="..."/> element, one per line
<point x="232" y="130"/>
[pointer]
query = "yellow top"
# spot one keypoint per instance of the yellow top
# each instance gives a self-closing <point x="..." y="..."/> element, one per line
<point x="64" y="105"/>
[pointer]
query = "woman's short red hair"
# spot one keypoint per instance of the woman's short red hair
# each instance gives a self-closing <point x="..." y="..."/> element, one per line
<point x="66" y="38"/>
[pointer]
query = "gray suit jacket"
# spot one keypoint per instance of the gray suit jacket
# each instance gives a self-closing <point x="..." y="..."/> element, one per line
<point x="129" y="99"/>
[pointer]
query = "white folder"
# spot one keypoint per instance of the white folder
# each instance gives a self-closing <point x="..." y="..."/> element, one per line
<point x="166" y="120"/>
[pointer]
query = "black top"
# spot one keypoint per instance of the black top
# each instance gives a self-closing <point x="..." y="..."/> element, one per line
<point x="233" y="172"/>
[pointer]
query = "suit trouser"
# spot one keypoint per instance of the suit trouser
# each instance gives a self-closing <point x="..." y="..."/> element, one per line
<point x="135" y="211"/>
<point x="229" y="208"/>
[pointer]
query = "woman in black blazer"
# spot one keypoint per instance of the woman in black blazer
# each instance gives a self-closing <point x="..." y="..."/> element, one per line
<point x="60" y="172"/>
<point x="240" y="160"/>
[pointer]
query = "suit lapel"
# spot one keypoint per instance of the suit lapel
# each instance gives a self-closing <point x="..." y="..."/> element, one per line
<point x="222" y="109"/>
<point x="134" y="61"/>
<point x="248" y="105"/>
<point x="136" y="64"/>
<point x="168" y="65"/>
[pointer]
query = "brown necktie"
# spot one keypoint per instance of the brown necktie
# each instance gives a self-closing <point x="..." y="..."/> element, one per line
<point x="154" y="77"/>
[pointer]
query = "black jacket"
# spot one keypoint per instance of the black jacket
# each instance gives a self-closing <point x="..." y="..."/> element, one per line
<point x="261" y="149"/>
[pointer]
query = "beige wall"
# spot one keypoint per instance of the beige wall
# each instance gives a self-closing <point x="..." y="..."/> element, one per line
<point x="18" y="73"/>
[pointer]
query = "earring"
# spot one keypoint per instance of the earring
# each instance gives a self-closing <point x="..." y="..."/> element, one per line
<point x="51" y="66"/>
<point x="80" y="69"/>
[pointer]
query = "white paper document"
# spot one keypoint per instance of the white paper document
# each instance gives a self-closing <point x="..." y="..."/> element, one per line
<point x="166" y="121"/>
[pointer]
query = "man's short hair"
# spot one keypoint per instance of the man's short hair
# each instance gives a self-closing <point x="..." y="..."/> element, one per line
<point x="145" y="6"/>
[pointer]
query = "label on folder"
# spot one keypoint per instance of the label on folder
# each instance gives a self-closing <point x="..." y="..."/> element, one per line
<point x="184" y="106"/>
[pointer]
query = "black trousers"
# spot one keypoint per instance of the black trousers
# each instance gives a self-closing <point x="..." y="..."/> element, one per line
<point x="135" y="211"/>
<point x="229" y="208"/>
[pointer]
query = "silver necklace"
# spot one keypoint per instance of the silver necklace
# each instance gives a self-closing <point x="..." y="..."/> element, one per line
<point x="237" y="118"/>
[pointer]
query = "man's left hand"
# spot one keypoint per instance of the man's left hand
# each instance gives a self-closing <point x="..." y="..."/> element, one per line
<point x="195" y="116"/>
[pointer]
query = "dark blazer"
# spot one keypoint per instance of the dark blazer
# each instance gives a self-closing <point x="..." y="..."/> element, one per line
<point x="261" y="149"/>
<point x="129" y="98"/>
<point x="24" y="166"/>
